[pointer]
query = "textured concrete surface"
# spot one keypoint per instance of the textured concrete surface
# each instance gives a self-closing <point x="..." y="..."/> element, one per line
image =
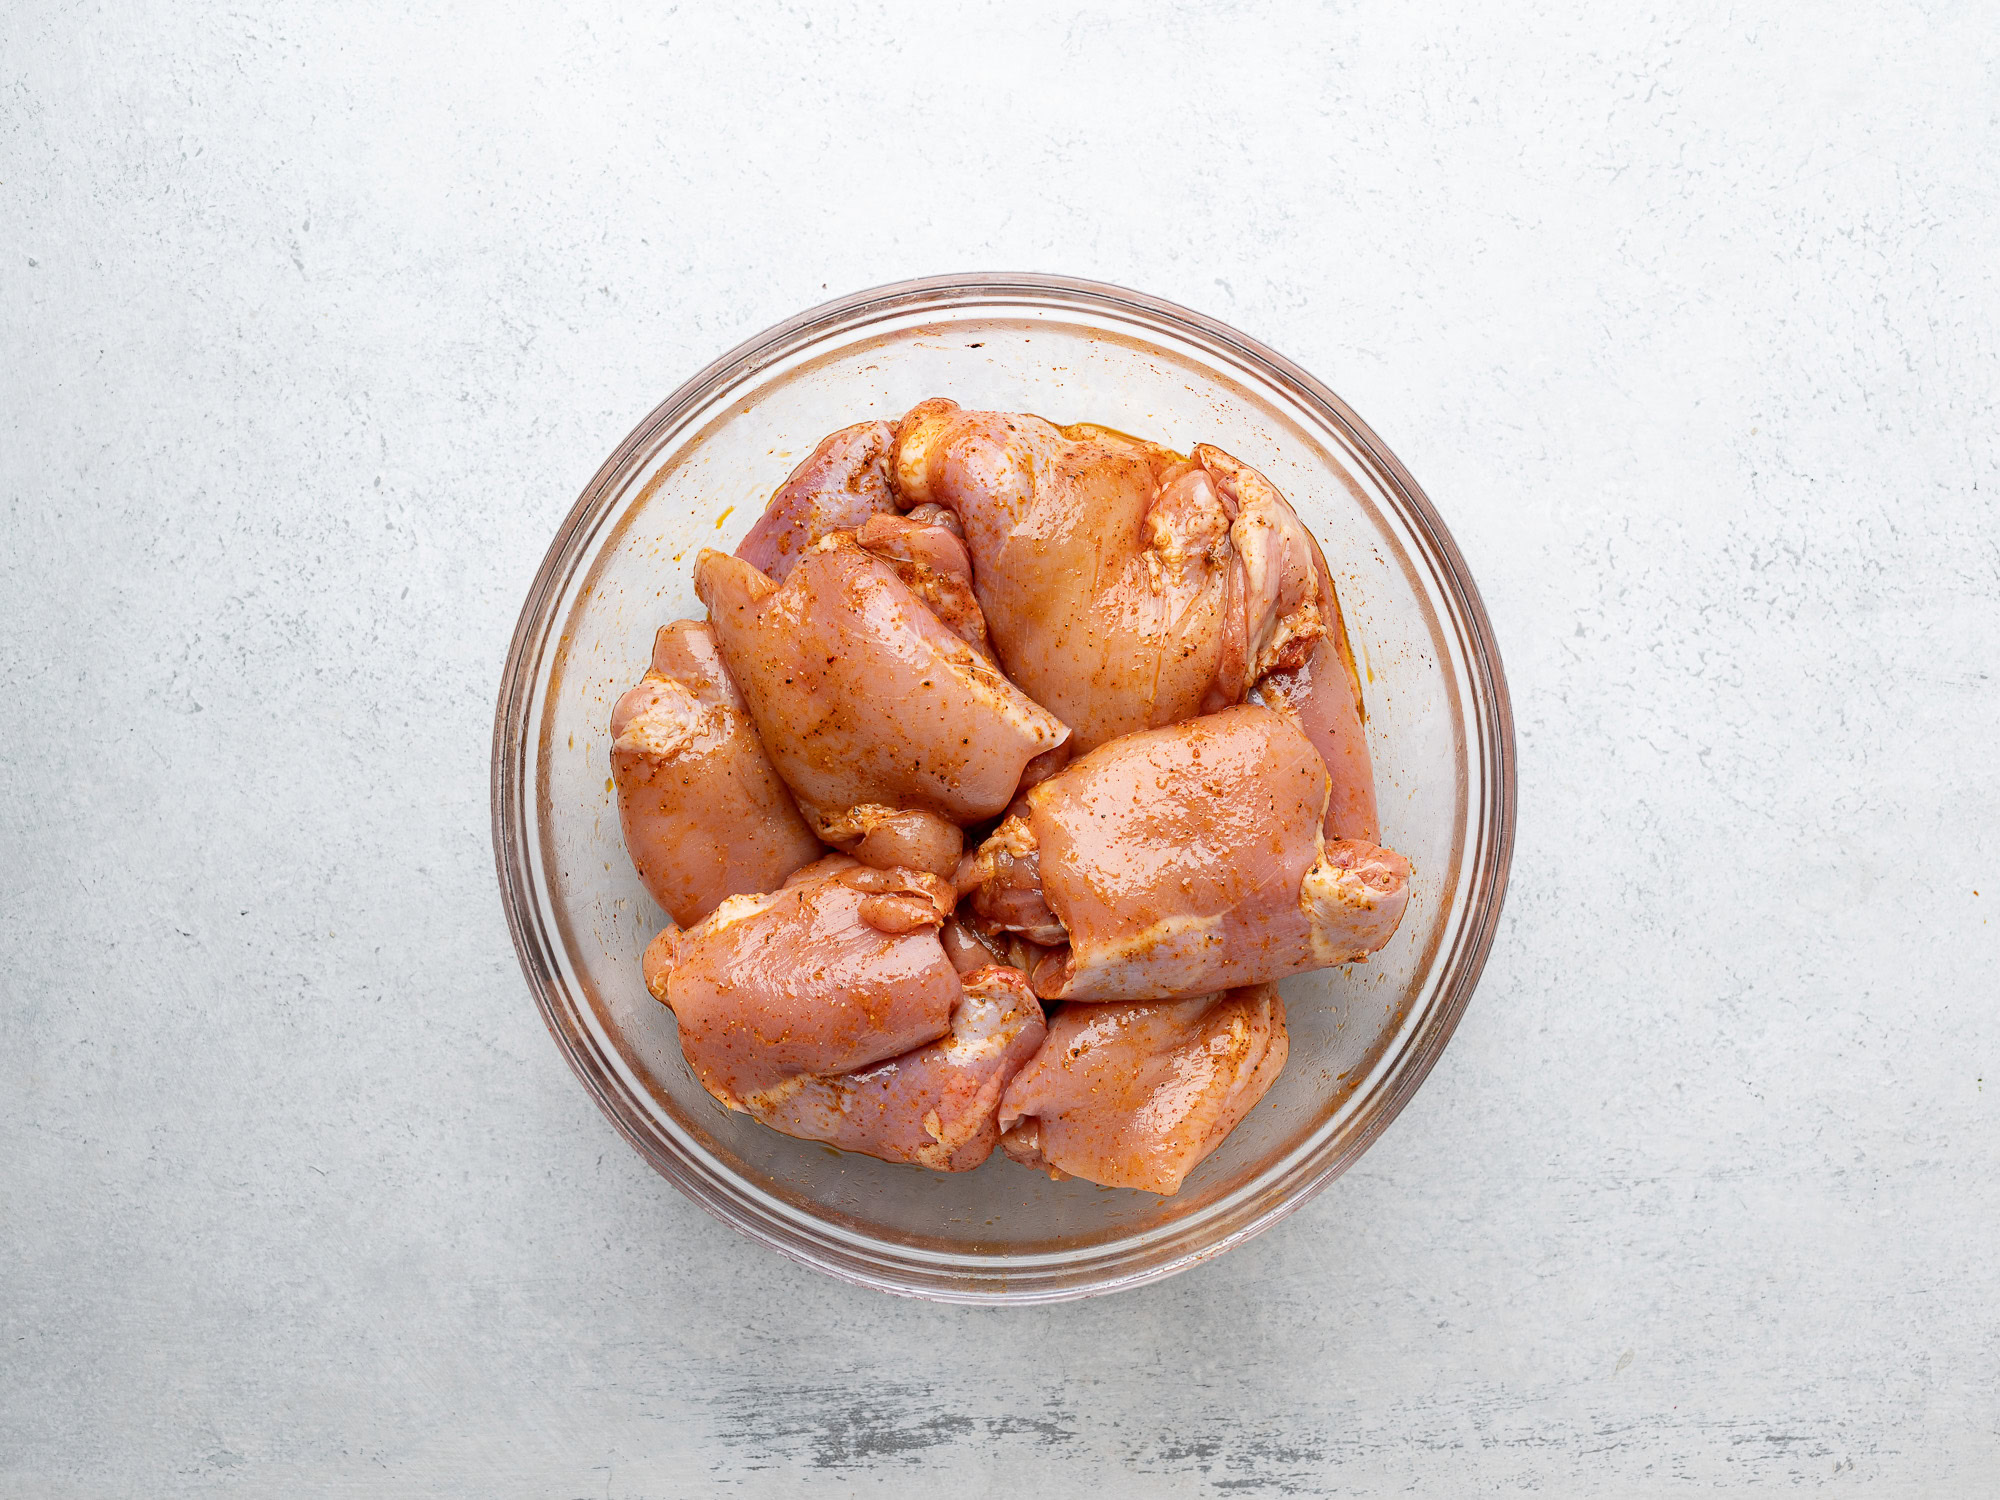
<point x="316" y="319"/>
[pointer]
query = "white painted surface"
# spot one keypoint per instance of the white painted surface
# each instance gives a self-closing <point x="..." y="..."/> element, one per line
<point x="316" y="319"/>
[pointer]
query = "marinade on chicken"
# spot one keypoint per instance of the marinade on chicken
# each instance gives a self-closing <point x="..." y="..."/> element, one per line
<point x="843" y="483"/>
<point x="935" y="1106"/>
<point x="1185" y="860"/>
<point x="1136" y="1095"/>
<point x="831" y="1010"/>
<point x="704" y="814"/>
<point x="877" y="715"/>
<point x="1124" y="586"/>
<point x="837" y="970"/>
<point x="1126" y="668"/>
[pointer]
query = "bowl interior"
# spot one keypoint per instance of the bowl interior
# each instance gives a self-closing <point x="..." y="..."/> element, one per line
<point x="697" y="474"/>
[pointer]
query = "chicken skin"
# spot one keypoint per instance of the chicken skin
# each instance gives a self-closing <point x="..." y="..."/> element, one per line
<point x="1183" y="861"/>
<point x="843" y="483"/>
<point x="834" y="972"/>
<point x="1124" y="586"/>
<point x="1137" y="1095"/>
<point x="879" y="717"/>
<point x="705" y="816"/>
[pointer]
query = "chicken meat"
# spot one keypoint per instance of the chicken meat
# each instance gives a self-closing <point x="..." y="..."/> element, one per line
<point x="1183" y="861"/>
<point x="704" y="814"/>
<point x="935" y="1106"/>
<point x="1134" y="661"/>
<point x="1137" y="1095"/>
<point x="1322" y="695"/>
<point x="1124" y="586"/>
<point x="891" y="730"/>
<point x="843" y="483"/>
<point x="840" y="969"/>
<point x="791" y="1007"/>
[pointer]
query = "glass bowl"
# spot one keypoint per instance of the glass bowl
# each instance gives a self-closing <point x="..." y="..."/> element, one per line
<point x="697" y="472"/>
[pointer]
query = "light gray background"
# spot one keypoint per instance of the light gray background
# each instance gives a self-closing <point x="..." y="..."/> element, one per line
<point x="317" y="318"/>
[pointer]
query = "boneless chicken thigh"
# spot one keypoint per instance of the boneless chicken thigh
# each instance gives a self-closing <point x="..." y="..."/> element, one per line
<point x="882" y="720"/>
<point x="928" y="553"/>
<point x="844" y="486"/>
<point x="830" y="1010"/>
<point x="704" y="814"/>
<point x="1322" y="695"/>
<point x="1137" y="1095"/>
<point x="1183" y="861"/>
<point x="935" y="1106"/>
<point x="1111" y="632"/>
<point x="1124" y="586"/>
<point x="843" y="483"/>
<point x="833" y="972"/>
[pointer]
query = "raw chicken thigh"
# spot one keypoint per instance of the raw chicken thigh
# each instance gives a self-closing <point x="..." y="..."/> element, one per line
<point x="1124" y="586"/>
<point x="878" y="717"/>
<point x="1185" y="860"/>
<point x="928" y="554"/>
<point x="791" y="1008"/>
<point x="1323" y="697"/>
<point x="704" y="814"/>
<point x="843" y="483"/>
<point x="1137" y="1095"/>
<point x="934" y="1106"/>
<point x="839" y="969"/>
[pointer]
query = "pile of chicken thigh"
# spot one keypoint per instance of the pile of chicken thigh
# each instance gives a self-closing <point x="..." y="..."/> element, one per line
<point x="1011" y="767"/>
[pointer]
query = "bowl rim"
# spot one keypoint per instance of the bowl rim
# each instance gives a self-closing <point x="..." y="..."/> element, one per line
<point x="1487" y="693"/>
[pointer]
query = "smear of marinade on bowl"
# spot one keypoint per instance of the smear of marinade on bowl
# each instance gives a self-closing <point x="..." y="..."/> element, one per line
<point x="1011" y="767"/>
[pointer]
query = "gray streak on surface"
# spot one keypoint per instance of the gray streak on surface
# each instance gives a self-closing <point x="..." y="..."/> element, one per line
<point x="855" y="1425"/>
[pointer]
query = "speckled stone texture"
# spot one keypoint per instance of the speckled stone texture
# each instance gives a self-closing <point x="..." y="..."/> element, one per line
<point x="315" y="320"/>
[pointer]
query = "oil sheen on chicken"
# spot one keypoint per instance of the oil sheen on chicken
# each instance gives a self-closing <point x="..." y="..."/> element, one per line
<point x="705" y="816"/>
<point x="1136" y="1095"/>
<point x="830" y="1010"/>
<point x="1124" y="586"/>
<point x="935" y="1106"/>
<point x="870" y="708"/>
<point x="843" y="483"/>
<point x="834" y="972"/>
<point x="1183" y="861"/>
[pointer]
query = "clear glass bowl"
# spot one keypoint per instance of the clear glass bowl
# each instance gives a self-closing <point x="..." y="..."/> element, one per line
<point x="696" y="473"/>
